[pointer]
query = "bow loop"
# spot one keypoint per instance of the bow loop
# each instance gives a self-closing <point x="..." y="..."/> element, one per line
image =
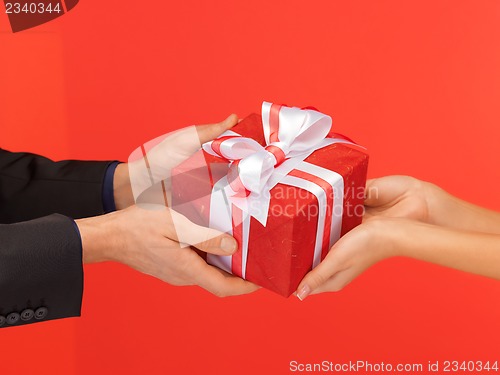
<point x="232" y="146"/>
<point x="299" y="129"/>
<point x="255" y="170"/>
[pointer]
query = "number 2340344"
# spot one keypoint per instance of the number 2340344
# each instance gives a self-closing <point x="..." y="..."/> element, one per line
<point x="32" y="8"/>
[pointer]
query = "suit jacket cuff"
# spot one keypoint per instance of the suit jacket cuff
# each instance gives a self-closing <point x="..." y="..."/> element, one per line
<point x="41" y="271"/>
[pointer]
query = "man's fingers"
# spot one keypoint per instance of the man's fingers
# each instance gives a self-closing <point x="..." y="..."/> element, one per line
<point x="209" y="132"/>
<point x="183" y="230"/>
<point x="214" y="242"/>
<point x="219" y="282"/>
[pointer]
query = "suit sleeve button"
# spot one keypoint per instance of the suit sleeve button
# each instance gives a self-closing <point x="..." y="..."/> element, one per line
<point x="13" y="318"/>
<point x="2" y="320"/>
<point x="27" y="314"/>
<point x="41" y="313"/>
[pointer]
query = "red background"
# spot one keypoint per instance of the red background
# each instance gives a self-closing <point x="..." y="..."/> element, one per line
<point x="418" y="83"/>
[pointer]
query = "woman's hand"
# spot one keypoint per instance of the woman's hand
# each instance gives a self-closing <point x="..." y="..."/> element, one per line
<point x="398" y="196"/>
<point x="381" y="238"/>
<point x="416" y="219"/>
<point x="350" y="256"/>
<point x="387" y="200"/>
<point x="409" y="198"/>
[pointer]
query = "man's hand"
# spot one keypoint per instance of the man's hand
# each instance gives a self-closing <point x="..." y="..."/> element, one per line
<point x="145" y="233"/>
<point x="147" y="240"/>
<point x="153" y="162"/>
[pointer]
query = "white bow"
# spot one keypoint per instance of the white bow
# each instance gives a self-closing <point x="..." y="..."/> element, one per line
<point x="291" y="135"/>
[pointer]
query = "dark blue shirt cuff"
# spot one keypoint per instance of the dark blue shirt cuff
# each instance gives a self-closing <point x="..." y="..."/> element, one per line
<point x="108" y="196"/>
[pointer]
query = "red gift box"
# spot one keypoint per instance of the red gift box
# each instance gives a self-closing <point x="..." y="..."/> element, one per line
<point x="278" y="255"/>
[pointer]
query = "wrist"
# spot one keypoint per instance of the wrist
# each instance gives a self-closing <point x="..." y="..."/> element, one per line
<point x="122" y="188"/>
<point x="438" y="201"/>
<point x="410" y="237"/>
<point x="96" y="238"/>
<point x="384" y="236"/>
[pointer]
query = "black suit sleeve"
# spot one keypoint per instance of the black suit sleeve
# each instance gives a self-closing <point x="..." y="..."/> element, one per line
<point x="41" y="272"/>
<point x="32" y="186"/>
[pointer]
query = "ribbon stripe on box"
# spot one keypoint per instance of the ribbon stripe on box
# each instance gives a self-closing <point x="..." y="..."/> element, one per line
<point x="291" y="135"/>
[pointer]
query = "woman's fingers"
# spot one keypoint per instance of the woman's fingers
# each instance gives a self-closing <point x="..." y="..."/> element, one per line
<point x="349" y="257"/>
<point x="337" y="282"/>
<point x="327" y="278"/>
<point x="389" y="190"/>
<point x="380" y="191"/>
<point x="319" y="275"/>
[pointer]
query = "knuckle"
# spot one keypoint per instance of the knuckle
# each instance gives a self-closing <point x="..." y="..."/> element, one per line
<point x="414" y="182"/>
<point x="316" y="280"/>
<point x="184" y="264"/>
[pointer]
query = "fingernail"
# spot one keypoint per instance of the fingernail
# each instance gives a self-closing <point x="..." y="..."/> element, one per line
<point x="304" y="292"/>
<point x="228" y="245"/>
